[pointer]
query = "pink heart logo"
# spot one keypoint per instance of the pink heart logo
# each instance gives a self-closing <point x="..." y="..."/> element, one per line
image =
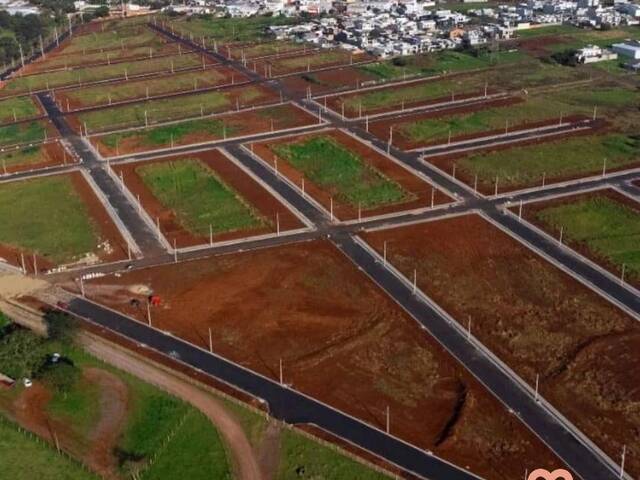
<point x="542" y="474"/>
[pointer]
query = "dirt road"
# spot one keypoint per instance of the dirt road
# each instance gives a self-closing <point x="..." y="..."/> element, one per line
<point x="244" y="460"/>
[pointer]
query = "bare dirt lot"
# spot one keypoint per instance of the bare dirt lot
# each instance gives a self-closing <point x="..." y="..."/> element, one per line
<point x="326" y="81"/>
<point x="535" y="318"/>
<point x="51" y="154"/>
<point x="340" y="340"/>
<point x="420" y="191"/>
<point x="232" y="175"/>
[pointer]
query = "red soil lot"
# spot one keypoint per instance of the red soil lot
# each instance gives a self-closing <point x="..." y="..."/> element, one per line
<point x="530" y="211"/>
<point x="539" y="46"/>
<point x="279" y="65"/>
<point x="341" y="341"/>
<point x="326" y="81"/>
<point x="250" y="122"/>
<point x="233" y="176"/>
<point x="78" y="60"/>
<point x="534" y="317"/>
<point x="228" y="75"/>
<point x="446" y="162"/>
<point x="236" y="50"/>
<point x="419" y="189"/>
<point x="52" y="154"/>
<point x="107" y="231"/>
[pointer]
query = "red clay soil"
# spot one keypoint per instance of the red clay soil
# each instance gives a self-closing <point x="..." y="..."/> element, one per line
<point x="539" y="46"/>
<point x="245" y="123"/>
<point x="236" y="50"/>
<point x="530" y="213"/>
<point x="67" y="103"/>
<point x="326" y="81"/>
<point x="107" y="231"/>
<point x="341" y="340"/>
<point x="52" y="154"/>
<point x="419" y="192"/>
<point x="278" y="69"/>
<point x="447" y="162"/>
<point x="534" y="317"/>
<point x="265" y="205"/>
<point x="380" y="128"/>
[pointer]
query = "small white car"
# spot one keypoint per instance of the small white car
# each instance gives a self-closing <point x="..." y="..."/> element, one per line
<point x="27" y="383"/>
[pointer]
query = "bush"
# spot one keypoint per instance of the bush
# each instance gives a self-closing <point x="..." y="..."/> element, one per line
<point x="61" y="327"/>
<point x="61" y="377"/>
<point x="399" y="62"/>
<point x="22" y="353"/>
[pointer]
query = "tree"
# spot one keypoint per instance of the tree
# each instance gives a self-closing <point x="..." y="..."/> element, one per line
<point x="21" y="353"/>
<point x="60" y="326"/>
<point x="60" y="377"/>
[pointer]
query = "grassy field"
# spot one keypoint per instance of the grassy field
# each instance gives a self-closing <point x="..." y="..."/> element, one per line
<point x="167" y="134"/>
<point x="24" y="156"/>
<point x="316" y="60"/>
<point x="22" y="133"/>
<point x="123" y="38"/>
<point x="100" y="95"/>
<point x="568" y="157"/>
<point x="168" y="109"/>
<point x="50" y="219"/>
<point x="436" y="63"/>
<point x="226" y="30"/>
<point x="319" y="461"/>
<point x="602" y="38"/>
<point x="609" y="229"/>
<point x="549" y="30"/>
<point x="17" y="108"/>
<point x="535" y="108"/>
<point x="196" y="453"/>
<point x="198" y="197"/>
<point x="334" y="167"/>
<point x="22" y="457"/>
<point x="103" y="72"/>
<point x="266" y="48"/>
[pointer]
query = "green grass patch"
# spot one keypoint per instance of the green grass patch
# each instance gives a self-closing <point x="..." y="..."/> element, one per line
<point x="436" y="63"/>
<point x="79" y="408"/>
<point x="548" y="30"/>
<point x="567" y="157"/>
<point x="243" y="29"/>
<point x="302" y="458"/>
<point x="24" y="458"/>
<point x="608" y="228"/>
<point x="167" y="109"/>
<point x="22" y="133"/>
<point x="345" y="174"/>
<point x="195" y="452"/>
<point x="122" y="38"/>
<point x="198" y="197"/>
<point x="103" y="72"/>
<point x="534" y="109"/>
<point x="50" y="219"/>
<point x="17" y="108"/>
<point x="100" y="95"/>
<point x="24" y="156"/>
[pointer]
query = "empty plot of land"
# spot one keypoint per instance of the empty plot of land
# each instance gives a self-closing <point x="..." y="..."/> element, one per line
<point x="140" y="89"/>
<point x="250" y="122"/>
<point x="173" y="108"/>
<point x="25" y="133"/>
<point x="340" y="340"/>
<point x="604" y="226"/>
<point x="505" y="115"/>
<point x="18" y="108"/>
<point x="205" y="197"/>
<point x="58" y="220"/>
<point x="37" y="156"/>
<point x="326" y="81"/>
<point x="253" y="50"/>
<point x="67" y="78"/>
<point x="56" y="60"/>
<point x="543" y="162"/>
<point x="306" y="62"/>
<point x="534" y="317"/>
<point x="346" y="176"/>
<point x="124" y="37"/>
